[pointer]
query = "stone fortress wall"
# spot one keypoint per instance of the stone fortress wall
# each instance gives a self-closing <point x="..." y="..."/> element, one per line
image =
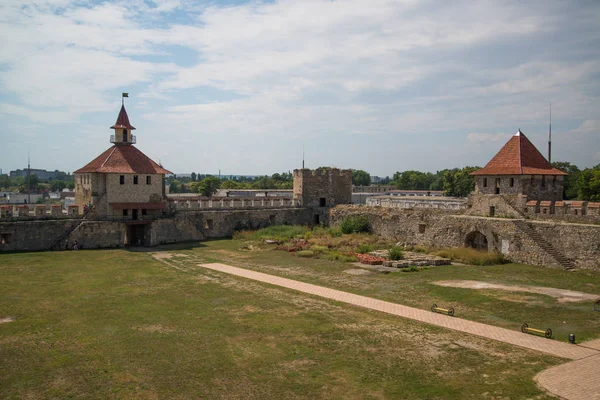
<point x="322" y="197"/>
<point x="560" y="245"/>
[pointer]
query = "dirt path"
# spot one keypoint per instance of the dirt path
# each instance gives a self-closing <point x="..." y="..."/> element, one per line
<point x="563" y="295"/>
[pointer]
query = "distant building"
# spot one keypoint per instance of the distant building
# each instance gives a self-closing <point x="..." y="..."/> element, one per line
<point x="380" y="189"/>
<point x="425" y="193"/>
<point x="22" y="198"/>
<point x="42" y="174"/>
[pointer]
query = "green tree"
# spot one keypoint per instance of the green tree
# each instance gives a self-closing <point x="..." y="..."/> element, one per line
<point x="57" y="186"/>
<point x="30" y="182"/>
<point x="175" y="186"/>
<point x="589" y="184"/>
<point x="361" y="178"/>
<point x="5" y="181"/>
<point x="571" y="181"/>
<point x="71" y="185"/>
<point x="229" y="184"/>
<point x="264" y="183"/>
<point x="413" y="180"/>
<point x="209" y="186"/>
<point x="194" y="176"/>
<point x="459" y="182"/>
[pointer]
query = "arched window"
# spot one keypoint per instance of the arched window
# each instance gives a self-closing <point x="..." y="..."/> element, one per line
<point x="124" y="135"/>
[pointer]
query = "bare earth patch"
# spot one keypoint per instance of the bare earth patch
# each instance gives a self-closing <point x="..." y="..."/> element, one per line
<point x="357" y="272"/>
<point x="563" y="296"/>
<point x="6" y="319"/>
<point x="162" y="255"/>
<point x="153" y="328"/>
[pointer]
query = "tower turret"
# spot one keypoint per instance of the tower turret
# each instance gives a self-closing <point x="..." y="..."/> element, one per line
<point x="123" y="129"/>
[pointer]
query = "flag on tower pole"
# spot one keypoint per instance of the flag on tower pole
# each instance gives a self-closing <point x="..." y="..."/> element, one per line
<point x="123" y="98"/>
<point x="125" y="94"/>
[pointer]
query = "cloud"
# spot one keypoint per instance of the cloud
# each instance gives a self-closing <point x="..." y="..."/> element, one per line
<point x="486" y="137"/>
<point x="588" y="127"/>
<point x="326" y="71"/>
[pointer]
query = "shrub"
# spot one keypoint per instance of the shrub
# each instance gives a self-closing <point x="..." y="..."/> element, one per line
<point x="396" y="253"/>
<point x="307" y="235"/>
<point x="355" y="224"/>
<point x="467" y="255"/>
<point x="344" y="258"/>
<point x="365" y="248"/>
<point x="420" y="249"/>
<point x="305" y="253"/>
<point x="334" y="232"/>
<point x="319" y="249"/>
<point x="280" y="233"/>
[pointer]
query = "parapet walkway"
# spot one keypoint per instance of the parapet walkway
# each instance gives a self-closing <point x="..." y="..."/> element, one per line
<point x="517" y="338"/>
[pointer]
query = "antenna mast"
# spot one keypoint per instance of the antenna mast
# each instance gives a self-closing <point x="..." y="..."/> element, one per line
<point x="28" y="178"/>
<point x="550" y="136"/>
<point x="302" y="155"/>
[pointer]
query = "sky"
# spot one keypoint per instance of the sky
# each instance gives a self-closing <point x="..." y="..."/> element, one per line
<point x="245" y="86"/>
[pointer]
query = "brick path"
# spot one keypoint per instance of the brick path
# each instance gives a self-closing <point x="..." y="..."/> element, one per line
<point x="574" y="380"/>
<point x="514" y="337"/>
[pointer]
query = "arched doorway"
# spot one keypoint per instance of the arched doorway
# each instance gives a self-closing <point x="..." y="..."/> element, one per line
<point x="476" y="240"/>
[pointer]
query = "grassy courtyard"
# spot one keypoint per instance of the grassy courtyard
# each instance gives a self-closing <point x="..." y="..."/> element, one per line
<point x="495" y="307"/>
<point x="121" y="324"/>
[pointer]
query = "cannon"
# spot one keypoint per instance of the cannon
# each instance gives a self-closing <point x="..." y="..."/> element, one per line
<point x="526" y="329"/>
<point x="440" y="310"/>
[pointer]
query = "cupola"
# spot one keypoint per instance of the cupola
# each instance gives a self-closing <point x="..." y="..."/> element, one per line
<point x="123" y="129"/>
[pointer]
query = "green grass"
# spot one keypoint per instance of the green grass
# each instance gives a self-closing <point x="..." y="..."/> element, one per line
<point x="119" y="324"/>
<point x="471" y="256"/>
<point x="501" y="308"/>
<point x="276" y="232"/>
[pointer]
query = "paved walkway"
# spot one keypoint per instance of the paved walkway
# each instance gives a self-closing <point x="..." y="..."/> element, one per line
<point x="574" y="380"/>
<point x="517" y="338"/>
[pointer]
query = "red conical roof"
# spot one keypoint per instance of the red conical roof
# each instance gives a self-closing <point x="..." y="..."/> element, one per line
<point x="121" y="159"/>
<point x="122" y="120"/>
<point x="518" y="157"/>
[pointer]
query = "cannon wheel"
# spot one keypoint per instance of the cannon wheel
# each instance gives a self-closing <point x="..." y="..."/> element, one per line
<point x="548" y="333"/>
<point x="433" y="307"/>
<point x="451" y="311"/>
<point x="524" y="328"/>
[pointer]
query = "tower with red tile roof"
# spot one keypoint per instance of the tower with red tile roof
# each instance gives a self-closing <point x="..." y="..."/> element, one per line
<point x="122" y="182"/>
<point x="520" y="169"/>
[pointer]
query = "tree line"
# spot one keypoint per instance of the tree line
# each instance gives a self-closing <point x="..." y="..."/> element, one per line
<point x="207" y="185"/>
<point x="22" y="183"/>
<point x="578" y="184"/>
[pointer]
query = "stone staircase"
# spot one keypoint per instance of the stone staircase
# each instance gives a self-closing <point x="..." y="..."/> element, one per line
<point x="508" y="200"/>
<point x="560" y="258"/>
<point x="56" y="244"/>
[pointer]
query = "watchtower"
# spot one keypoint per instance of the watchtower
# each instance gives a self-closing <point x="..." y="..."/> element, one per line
<point x="323" y="187"/>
